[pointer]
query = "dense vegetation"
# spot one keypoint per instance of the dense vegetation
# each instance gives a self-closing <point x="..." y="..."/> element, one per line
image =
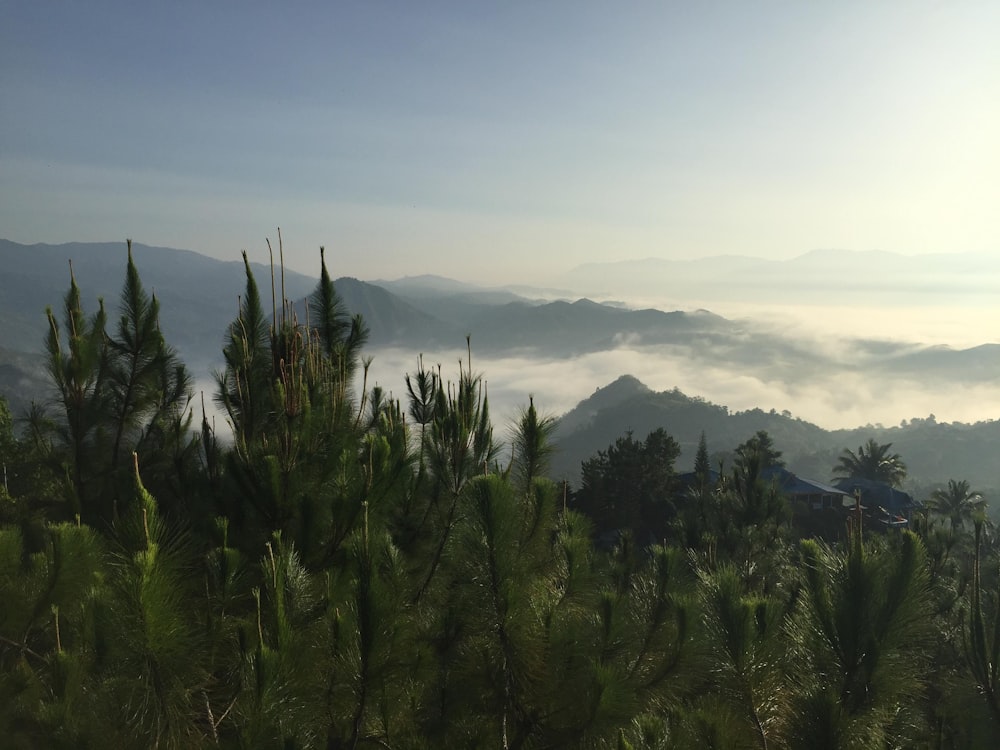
<point x="344" y="571"/>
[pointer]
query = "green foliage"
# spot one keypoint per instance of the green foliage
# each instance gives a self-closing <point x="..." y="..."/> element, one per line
<point x="117" y="395"/>
<point x="340" y="337"/>
<point x="872" y="461"/>
<point x="77" y="372"/>
<point x="958" y="503"/>
<point x="702" y="464"/>
<point x="983" y="644"/>
<point x="245" y="384"/>
<point x="152" y="653"/>
<point x="761" y="446"/>
<point x="629" y="486"/>
<point x="863" y="634"/>
<point x="747" y="658"/>
<point x="531" y="446"/>
<point x="7" y="441"/>
<point x="353" y="572"/>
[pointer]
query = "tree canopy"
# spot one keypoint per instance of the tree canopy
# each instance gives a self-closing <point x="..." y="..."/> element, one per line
<point x="873" y="461"/>
<point x="344" y="570"/>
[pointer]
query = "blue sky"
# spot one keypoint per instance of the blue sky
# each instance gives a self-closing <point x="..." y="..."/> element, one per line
<point x="503" y="141"/>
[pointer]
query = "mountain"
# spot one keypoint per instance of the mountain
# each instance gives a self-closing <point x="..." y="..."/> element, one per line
<point x="428" y="286"/>
<point x="199" y="296"/>
<point x="391" y="319"/>
<point x="574" y="343"/>
<point x="20" y="382"/>
<point x="610" y="396"/>
<point x="971" y="365"/>
<point x="934" y="452"/>
<point x="452" y="301"/>
<point x="431" y="287"/>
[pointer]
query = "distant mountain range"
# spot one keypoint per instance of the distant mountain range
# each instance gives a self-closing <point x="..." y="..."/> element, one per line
<point x="848" y="275"/>
<point x="199" y="297"/>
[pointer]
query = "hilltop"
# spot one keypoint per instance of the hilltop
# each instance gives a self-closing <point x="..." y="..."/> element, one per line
<point x="934" y="451"/>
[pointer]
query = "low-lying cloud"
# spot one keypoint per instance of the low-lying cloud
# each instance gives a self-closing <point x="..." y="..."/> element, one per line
<point x="831" y="397"/>
<point x="835" y="367"/>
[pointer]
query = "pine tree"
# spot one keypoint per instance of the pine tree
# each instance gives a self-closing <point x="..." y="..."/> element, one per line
<point x="459" y="447"/>
<point x="151" y="651"/>
<point x="148" y="394"/>
<point x="862" y="635"/>
<point x="45" y="651"/>
<point x="78" y="371"/>
<point x="245" y="384"/>
<point x="531" y="446"/>
<point x="745" y="649"/>
<point x="288" y="393"/>
<point x="702" y="465"/>
<point x="117" y="395"/>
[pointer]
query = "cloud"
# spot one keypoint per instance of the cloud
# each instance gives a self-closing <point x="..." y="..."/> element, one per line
<point x="832" y="397"/>
<point x="830" y="366"/>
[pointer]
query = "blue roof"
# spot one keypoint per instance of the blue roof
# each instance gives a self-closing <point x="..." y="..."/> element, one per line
<point x="690" y="478"/>
<point x="876" y="493"/>
<point x="792" y="484"/>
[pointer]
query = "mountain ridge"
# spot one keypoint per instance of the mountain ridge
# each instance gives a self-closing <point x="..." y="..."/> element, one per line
<point x="934" y="451"/>
<point x="199" y="297"/>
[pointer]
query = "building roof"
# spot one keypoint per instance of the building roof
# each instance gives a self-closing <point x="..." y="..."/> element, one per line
<point x="794" y="485"/>
<point x="876" y="493"/>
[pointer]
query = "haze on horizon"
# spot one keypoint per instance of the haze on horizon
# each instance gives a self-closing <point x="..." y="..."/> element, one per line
<point x="499" y="144"/>
<point x="513" y="144"/>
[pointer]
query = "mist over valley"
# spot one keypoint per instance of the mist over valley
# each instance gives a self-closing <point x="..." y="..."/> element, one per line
<point x="731" y="338"/>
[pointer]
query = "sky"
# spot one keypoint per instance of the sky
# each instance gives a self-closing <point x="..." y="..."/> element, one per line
<point x="502" y="142"/>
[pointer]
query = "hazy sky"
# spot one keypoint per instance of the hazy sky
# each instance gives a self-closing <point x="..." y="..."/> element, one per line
<point x="501" y="141"/>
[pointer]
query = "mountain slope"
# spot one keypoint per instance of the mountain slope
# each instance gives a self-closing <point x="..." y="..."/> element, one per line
<point x="583" y="342"/>
<point x="391" y="319"/>
<point x="934" y="452"/>
<point x="198" y="295"/>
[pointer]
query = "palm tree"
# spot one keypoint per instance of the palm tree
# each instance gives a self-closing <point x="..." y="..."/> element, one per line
<point x="872" y="461"/>
<point x="957" y="502"/>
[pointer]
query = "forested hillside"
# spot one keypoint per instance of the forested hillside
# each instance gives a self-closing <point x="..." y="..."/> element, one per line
<point x="935" y="450"/>
<point x="335" y="568"/>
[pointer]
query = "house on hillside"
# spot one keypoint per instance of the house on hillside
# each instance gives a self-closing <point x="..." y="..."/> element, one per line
<point x="884" y="507"/>
<point x="808" y="493"/>
<point x="822" y="510"/>
<point x="818" y="509"/>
